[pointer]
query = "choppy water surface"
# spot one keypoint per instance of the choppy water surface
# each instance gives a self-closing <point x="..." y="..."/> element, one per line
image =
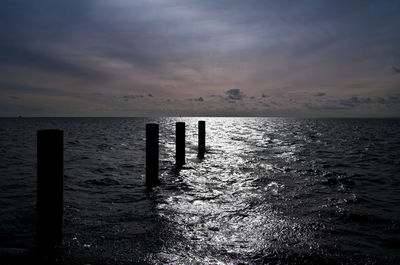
<point x="269" y="190"/>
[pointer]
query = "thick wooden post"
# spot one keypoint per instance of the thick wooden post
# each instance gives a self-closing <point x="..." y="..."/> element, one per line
<point x="202" y="139"/>
<point x="180" y="143"/>
<point x="50" y="167"/>
<point x="152" y="154"/>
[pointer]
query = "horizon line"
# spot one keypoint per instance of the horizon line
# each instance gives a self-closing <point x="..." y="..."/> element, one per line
<point x="166" y="116"/>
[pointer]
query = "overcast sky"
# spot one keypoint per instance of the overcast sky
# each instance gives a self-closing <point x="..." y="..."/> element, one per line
<point x="203" y="58"/>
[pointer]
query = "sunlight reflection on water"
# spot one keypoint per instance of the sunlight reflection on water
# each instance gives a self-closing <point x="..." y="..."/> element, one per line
<point x="219" y="207"/>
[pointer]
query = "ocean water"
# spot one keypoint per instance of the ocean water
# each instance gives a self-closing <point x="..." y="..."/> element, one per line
<point x="269" y="191"/>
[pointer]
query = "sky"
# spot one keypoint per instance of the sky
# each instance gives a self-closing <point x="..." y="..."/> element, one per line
<point x="294" y="58"/>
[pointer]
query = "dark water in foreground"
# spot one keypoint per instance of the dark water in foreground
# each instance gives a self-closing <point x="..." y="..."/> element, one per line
<point x="270" y="190"/>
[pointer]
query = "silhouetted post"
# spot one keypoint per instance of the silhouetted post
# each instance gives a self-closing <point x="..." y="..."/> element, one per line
<point x="50" y="168"/>
<point x="152" y="154"/>
<point x="180" y="143"/>
<point x="202" y="139"/>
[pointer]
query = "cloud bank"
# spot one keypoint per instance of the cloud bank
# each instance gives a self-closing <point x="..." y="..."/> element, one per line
<point x="135" y="58"/>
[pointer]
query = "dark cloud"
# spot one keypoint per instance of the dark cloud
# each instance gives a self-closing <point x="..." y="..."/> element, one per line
<point x="150" y="95"/>
<point x="323" y="107"/>
<point x="396" y="70"/>
<point x="199" y="99"/>
<point x="28" y="89"/>
<point x="25" y="19"/>
<point x="14" y="97"/>
<point x="355" y="101"/>
<point x="391" y="102"/>
<point x="380" y="100"/>
<point x="41" y="60"/>
<point x="216" y="96"/>
<point x="320" y="94"/>
<point x="129" y="97"/>
<point x="234" y="94"/>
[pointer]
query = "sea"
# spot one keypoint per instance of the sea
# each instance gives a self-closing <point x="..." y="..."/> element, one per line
<point x="268" y="191"/>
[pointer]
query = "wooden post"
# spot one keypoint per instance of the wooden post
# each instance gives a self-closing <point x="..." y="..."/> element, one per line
<point x="50" y="170"/>
<point x="202" y="139"/>
<point x="152" y="154"/>
<point x="180" y="143"/>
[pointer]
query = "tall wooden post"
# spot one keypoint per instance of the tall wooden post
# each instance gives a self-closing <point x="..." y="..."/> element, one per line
<point x="152" y="154"/>
<point x="202" y="139"/>
<point x="50" y="167"/>
<point x="180" y="143"/>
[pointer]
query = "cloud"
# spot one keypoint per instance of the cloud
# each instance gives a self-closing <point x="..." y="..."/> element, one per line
<point x="391" y="102"/>
<point x="396" y="70"/>
<point x="355" y="101"/>
<point x="323" y="107"/>
<point x="29" y="89"/>
<point x="234" y="94"/>
<point x="14" y="55"/>
<point x="177" y="48"/>
<point x="199" y="99"/>
<point x="129" y="97"/>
